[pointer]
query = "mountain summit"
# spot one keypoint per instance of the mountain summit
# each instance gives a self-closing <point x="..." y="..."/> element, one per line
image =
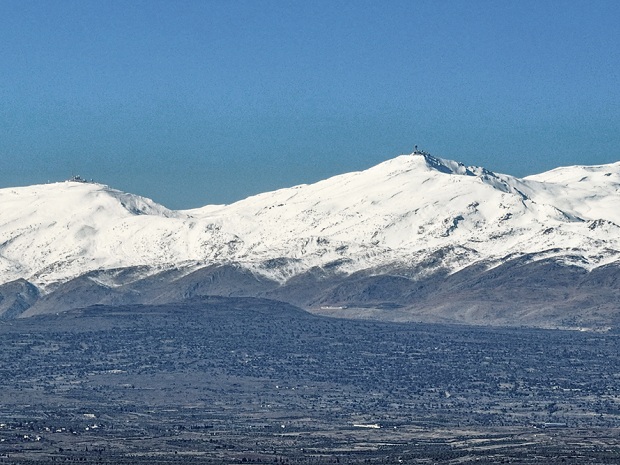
<point x="414" y="216"/>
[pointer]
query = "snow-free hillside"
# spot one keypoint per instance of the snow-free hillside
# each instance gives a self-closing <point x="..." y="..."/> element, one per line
<point x="395" y="215"/>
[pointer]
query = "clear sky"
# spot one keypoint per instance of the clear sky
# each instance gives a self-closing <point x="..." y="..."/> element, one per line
<point x="199" y="102"/>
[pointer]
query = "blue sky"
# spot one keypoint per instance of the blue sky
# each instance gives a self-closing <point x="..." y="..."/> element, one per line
<point x="199" y="102"/>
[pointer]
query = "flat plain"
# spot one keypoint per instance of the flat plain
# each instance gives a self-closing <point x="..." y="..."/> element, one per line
<point x="242" y="380"/>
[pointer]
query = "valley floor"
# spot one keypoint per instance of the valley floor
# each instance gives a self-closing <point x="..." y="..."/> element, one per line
<point x="236" y="381"/>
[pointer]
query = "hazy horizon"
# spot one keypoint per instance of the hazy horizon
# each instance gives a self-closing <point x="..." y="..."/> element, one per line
<point x="207" y="102"/>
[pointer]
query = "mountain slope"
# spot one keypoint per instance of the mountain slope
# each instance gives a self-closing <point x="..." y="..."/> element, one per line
<point x="16" y="297"/>
<point x="401" y="209"/>
<point x="414" y="217"/>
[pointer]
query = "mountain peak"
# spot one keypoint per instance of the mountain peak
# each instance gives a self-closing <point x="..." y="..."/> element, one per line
<point x="425" y="160"/>
<point x="397" y="213"/>
<point x="444" y="165"/>
<point x="74" y="195"/>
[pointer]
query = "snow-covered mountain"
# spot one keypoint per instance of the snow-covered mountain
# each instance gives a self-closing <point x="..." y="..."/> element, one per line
<point x="412" y="216"/>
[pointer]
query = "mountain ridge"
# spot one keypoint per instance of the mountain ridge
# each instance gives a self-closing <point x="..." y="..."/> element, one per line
<point x="415" y="216"/>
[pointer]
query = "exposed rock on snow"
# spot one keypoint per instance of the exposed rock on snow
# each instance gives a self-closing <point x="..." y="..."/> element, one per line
<point x="397" y="214"/>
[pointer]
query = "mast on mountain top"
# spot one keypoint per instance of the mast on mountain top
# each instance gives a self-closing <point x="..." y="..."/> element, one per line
<point x="417" y="151"/>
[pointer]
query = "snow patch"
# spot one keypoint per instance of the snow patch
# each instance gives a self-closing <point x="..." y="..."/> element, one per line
<point x="400" y="212"/>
